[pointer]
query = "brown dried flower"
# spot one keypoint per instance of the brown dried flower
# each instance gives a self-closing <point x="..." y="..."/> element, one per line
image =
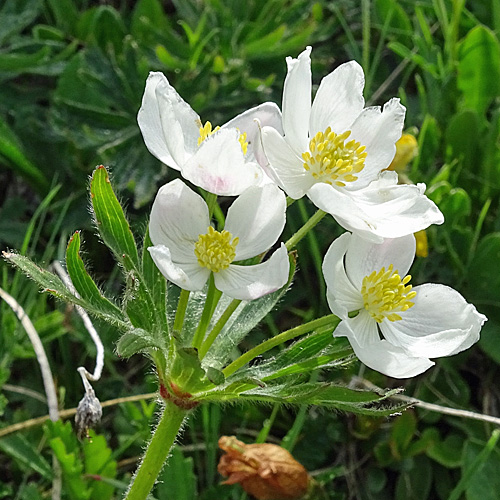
<point x="266" y="471"/>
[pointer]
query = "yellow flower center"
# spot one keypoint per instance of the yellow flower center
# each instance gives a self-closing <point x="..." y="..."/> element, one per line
<point x="332" y="160"/>
<point x="385" y="294"/>
<point x="206" y="131"/>
<point x="215" y="250"/>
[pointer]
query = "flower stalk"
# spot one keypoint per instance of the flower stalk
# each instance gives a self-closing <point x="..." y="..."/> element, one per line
<point x="302" y="232"/>
<point x="330" y="320"/>
<point x="157" y="451"/>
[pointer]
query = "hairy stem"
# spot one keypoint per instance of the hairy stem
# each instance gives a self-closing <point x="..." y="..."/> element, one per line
<point x="157" y="452"/>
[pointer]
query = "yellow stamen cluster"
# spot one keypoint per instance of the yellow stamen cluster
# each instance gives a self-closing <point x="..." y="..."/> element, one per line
<point x="215" y="250"/>
<point x="332" y="160"/>
<point x="243" y="141"/>
<point x="206" y="131"/>
<point x="385" y="294"/>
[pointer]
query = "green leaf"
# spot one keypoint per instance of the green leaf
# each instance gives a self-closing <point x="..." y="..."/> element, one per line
<point x="72" y="468"/>
<point x="17" y="15"/>
<point x="415" y="483"/>
<point x="82" y="282"/>
<point x="20" y="449"/>
<point x="402" y="432"/>
<point x="65" y="13"/>
<point x="135" y="341"/>
<point x="155" y="282"/>
<point x="148" y="19"/>
<point x="463" y="135"/>
<point x="177" y="481"/>
<point x="480" y="277"/>
<point x="322" y="394"/>
<point x="51" y="283"/>
<point x="11" y="150"/>
<point x="317" y="350"/>
<point x="447" y="452"/>
<point x="479" y="68"/>
<point x="99" y="462"/>
<point x="111" y="222"/>
<point x="480" y="478"/>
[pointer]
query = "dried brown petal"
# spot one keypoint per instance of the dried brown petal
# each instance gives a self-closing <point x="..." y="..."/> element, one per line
<point x="266" y="471"/>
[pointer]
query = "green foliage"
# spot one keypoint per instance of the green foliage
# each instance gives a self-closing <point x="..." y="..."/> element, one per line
<point x="86" y="467"/>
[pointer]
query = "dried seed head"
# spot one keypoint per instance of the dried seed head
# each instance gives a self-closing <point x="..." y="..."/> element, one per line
<point x="88" y="413"/>
<point x="266" y="471"/>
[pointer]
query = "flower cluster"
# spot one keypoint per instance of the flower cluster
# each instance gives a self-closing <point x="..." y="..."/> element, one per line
<point x="338" y="153"/>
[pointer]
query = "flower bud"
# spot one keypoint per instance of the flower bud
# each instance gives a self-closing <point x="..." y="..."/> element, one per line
<point x="406" y="150"/>
<point x="266" y="471"/>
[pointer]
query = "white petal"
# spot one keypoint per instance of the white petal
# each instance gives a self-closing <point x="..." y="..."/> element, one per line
<point x="219" y="165"/>
<point x="287" y="167"/>
<point x="180" y="124"/>
<point x="252" y="282"/>
<point x="363" y="328"/>
<point x="344" y="209"/>
<point x="178" y="217"/>
<point x="297" y="101"/>
<point x="189" y="276"/>
<point x="339" y="99"/>
<point x="363" y="257"/>
<point x="265" y="115"/>
<point x="390" y="360"/>
<point x="378" y="132"/>
<point x="257" y="218"/>
<point x="441" y="323"/>
<point x="150" y="122"/>
<point x="381" y="210"/>
<point x="343" y="297"/>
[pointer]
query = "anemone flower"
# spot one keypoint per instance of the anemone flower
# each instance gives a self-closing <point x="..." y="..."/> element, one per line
<point x="392" y="327"/>
<point x="223" y="160"/>
<point x="187" y="249"/>
<point x="335" y="151"/>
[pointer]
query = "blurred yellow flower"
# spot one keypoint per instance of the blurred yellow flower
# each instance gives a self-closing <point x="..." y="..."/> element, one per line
<point x="406" y="150"/>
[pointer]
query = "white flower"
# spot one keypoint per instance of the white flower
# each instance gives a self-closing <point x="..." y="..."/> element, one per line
<point x="222" y="160"/>
<point x="397" y="328"/>
<point x="335" y="150"/>
<point x="187" y="248"/>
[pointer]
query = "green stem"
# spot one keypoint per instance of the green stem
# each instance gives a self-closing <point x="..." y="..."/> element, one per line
<point x="157" y="452"/>
<point x="213" y="296"/>
<point x="218" y="327"/>
<point x="180" y="313"/>
<point x="331" y="319"/>
<point x="292" y="242"/>
<point x="211" y="201"/>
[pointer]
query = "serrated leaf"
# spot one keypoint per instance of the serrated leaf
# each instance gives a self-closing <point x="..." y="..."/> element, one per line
<point x="72" y="468"/>
<point x="99" y="462"/>
<point x="321" y="394"/>
<point x="51" y="283"/>
<point x="82" y="282"/>
<point x="111" y="222"/>
<point x="135" y="341"/>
